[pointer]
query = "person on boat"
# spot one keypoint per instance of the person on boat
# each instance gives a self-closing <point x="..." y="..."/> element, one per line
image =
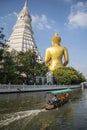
<point x="54" y="99"/>
<point x="62" y="97"/>
<point x="67" y="96"/>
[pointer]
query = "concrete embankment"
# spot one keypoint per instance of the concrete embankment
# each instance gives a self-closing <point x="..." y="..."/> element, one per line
<point x="33" y="88"/>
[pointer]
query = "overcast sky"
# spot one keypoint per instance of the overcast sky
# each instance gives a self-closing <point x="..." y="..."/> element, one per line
<point x="67" y="17"/>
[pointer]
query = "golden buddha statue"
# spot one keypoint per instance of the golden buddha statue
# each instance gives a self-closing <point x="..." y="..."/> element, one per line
<point x="54" y="54"/>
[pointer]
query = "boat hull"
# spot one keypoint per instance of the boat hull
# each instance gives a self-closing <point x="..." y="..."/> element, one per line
<point x="56" y="104"/>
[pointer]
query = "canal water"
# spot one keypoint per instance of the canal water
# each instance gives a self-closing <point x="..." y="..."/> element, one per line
<point x="26" y="111"/>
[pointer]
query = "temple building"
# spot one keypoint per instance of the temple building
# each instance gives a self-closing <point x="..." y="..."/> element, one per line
<point x="22" y="38"/>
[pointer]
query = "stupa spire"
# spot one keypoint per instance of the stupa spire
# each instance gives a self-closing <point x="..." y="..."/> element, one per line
<point x="22" y="38"/>
<point x="26" y="3"/>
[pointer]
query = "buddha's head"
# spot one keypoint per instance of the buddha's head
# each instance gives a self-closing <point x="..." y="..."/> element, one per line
<point x="56" y="39"/>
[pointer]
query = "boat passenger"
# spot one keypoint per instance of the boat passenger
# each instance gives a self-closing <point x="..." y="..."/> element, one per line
<point x="54" y="99"/>
<point x="61" y="97"/>
<point x="67" y="95"/>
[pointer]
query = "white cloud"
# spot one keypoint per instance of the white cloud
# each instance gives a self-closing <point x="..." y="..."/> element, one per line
<point x="4" y="20"/>
<point x="9" y="15"/>
<point x="42" y="22"/>
<point x="15" y="13"/>
<point x="78" y="15"/>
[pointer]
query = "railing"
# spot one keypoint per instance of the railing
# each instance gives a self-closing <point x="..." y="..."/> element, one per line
<point x="26" y="88"/>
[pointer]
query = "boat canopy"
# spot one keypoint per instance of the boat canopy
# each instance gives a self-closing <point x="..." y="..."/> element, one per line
<point x="60" y="91"/>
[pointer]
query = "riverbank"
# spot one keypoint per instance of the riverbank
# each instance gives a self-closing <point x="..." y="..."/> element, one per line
<point x="33" y="88"/>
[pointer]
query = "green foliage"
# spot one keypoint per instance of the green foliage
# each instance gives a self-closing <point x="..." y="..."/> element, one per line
<point x="21" y="67"/>
<point x="2" y="42"/>
<point x="9" y="68"/>
<point x="41" y="69"/>
<point x="68" y="75"/>
<point x="28" y="64"/>
<point x="1" y="54"/>
<point x="2" y="37"/>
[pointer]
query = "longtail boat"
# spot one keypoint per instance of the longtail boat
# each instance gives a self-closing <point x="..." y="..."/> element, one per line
<point x="60" y="98"/>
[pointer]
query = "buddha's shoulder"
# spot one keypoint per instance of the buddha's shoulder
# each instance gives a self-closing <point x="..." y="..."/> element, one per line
<point x="64" y="48"/>
<point x="49" y="48"/>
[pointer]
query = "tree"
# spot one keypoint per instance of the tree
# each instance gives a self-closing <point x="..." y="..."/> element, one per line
<point x="2" y="37"/>
<point x="2" y="43"/>
<point x="9" y="69"/>
<point x="41" y="69"/>
<point x="27" y="62"/>
<point x="68" y="75"/>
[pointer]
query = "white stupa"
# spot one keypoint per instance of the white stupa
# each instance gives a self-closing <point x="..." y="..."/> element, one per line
<point x="22" y="38"/>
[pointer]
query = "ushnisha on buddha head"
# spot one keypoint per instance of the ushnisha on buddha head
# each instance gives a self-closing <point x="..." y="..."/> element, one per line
<point x="56" y="39"/>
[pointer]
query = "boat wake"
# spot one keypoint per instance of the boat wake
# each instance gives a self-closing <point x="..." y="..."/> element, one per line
<point x="9" y="118"/>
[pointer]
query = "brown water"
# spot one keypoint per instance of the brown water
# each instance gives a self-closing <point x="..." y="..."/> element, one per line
<point x="26" y="112"/>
